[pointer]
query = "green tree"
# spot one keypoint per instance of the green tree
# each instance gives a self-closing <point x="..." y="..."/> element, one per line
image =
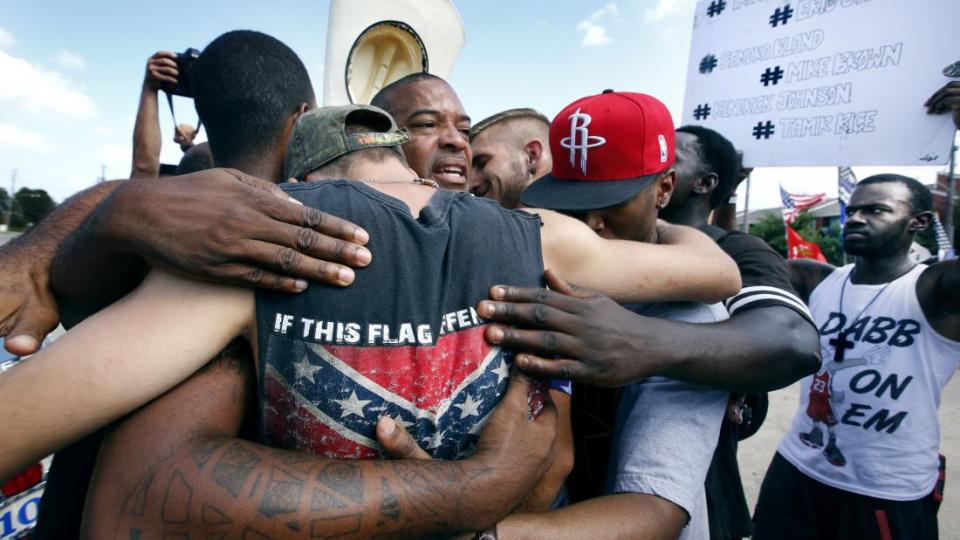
<point x="4" y="204"/>
<point x="30" y="206"/>
<point x="770" y="230"/>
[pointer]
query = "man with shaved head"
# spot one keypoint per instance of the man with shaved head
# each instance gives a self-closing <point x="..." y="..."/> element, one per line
<point x="439" y="147"/>
<point x="510" y="150"/>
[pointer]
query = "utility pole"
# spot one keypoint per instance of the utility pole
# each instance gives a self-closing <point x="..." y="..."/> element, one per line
<point x="9" y="213"/>
<point x="951" y="193"/>
<point x="103" y="174"/>
<point x="745" y="224"/>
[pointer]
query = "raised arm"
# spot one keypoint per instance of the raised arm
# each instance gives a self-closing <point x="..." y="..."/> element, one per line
<point x="176" y="468"/>
<point x="686" y="265"/>
<point x="938" y="290"/>
<point x="161" y="67"/>
<point x="114" y="362"/>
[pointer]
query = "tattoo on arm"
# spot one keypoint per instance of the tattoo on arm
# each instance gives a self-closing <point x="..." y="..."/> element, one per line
<point x="226" y="488"/>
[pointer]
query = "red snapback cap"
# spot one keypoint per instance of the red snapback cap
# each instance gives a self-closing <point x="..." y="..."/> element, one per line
<point x="606" y="148"/>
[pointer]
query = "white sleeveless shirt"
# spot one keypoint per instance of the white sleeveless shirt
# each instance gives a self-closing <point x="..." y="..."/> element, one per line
<point x="868" y="424"/>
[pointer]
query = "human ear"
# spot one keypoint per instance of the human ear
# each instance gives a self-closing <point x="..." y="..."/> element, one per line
<point x="921" y="221"/>
<point x="665" y="183"/>
<point x="594" y="220"/>
<point x="534" y="151"/>
<point x="706" y="183"/>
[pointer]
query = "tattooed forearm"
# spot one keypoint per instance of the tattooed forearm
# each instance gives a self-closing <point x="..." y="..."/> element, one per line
<point x="220" y="487"/>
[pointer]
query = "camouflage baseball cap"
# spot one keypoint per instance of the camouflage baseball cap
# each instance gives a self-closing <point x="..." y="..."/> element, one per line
<point x="320" y="136"/>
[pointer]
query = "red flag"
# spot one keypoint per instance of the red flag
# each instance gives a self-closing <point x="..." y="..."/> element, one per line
<point x="798" y="248"/>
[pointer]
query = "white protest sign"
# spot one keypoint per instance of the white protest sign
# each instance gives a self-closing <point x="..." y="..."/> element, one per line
<point x="824" y="82"/>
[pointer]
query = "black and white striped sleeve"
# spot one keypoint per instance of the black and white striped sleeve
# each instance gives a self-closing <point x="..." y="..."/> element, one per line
<point x="765" y="277"/>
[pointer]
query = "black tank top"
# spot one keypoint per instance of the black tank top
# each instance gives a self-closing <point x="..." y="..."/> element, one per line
<point x="404" y="340"/>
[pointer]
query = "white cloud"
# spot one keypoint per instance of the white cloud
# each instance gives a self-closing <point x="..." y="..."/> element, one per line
<point x="69" y="60"/>
<point x="12" y="136"/>
<point x="595" y="33"/>
<point x="666" y="8"/>
<point x="45" y="93"/>
<point x="6" y="38"/>
<point x="103" y="131"/>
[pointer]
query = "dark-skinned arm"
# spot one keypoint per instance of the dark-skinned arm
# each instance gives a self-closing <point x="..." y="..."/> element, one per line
<point x="604" y="344"/>
<point x="398" y="444"/>
<point x="806" y="274"/>
<point x="177" y="467"/>
<point x="650" y="517"/>
<point x="938" y="291"/>
<point x="28" y="310"/>
<point x="725" y="215"/>
<point x="216" y="225"/>
<point x="946" y="100"/>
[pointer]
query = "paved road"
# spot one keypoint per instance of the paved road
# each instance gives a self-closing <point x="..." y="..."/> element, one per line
<point x="755" y="453"/>
<point x="7" y="236"/>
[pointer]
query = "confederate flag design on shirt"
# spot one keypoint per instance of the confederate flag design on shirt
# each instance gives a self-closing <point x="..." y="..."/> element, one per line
<point x="404" y="340"/>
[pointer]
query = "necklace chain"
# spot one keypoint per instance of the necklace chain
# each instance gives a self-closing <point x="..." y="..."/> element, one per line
<point x="843" y="288"/>
<point x="421" y="181"/>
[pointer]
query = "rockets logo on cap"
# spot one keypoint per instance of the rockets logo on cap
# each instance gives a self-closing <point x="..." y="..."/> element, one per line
<point x="616" y="144"/>
<point x="580" y="139"/>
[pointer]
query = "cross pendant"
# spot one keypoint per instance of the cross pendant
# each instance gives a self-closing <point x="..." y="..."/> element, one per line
<point x="840" y="345"/>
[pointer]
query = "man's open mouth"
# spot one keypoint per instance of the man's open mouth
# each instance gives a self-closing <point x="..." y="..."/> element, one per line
<point x="450" y="172"/>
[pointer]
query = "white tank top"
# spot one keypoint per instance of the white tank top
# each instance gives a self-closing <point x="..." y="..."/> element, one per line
<point x="868" y="424"/>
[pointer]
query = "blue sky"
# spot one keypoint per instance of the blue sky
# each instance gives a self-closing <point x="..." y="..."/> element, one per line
<point x="72" y="71"/>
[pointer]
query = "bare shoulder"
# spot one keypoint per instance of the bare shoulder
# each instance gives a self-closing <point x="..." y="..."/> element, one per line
<point x="938" y="291"/>
<point x="806" y="274"/>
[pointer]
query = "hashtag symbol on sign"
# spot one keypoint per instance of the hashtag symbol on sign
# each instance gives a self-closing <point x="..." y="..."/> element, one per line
<point x="716" y="7"/>
<point x="764" y="130"/>
<point x="781" y="15"/>
<point x="771" y="76"/>
<point x="701" y="112"/>
<point x="708" y="63"/>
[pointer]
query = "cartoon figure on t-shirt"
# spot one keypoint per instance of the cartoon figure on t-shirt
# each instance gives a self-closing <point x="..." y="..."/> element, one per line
<point x="823" y="396"/>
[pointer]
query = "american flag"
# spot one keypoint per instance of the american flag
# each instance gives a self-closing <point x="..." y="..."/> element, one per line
<point x="794" y="204"/>
<point x="944" y="249"/>
<point x="846" y="182"/>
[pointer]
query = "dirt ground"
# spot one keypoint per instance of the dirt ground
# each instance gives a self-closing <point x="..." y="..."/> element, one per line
<point x="755" y="453"/>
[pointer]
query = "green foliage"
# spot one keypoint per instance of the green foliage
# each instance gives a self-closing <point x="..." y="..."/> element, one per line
<point x="770" y="229"/>
<point x="29" y="207"/>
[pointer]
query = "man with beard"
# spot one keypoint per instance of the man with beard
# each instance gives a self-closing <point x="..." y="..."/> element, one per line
<point x="897" y="324"/>
<point x="511" y="149"/>
<point x="659" y="446"/>
<point x="207" y="470"/>
<point x="439" y="146"/>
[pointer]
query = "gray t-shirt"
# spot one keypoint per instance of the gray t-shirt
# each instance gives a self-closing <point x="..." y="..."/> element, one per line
<point x="666" y="430"/>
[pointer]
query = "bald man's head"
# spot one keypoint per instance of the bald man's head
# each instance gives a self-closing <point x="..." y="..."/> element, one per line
<point x="431" y="112"/>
